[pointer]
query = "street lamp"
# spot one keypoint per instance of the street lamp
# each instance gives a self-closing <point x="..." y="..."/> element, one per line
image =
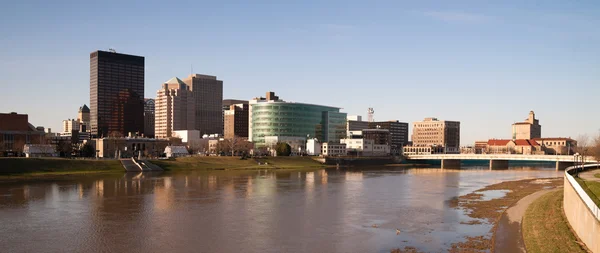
<point x="575" y="160"/>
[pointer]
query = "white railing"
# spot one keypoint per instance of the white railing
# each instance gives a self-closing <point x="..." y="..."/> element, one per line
<point x="582" y="194"/>
<point x="136" y="163"/>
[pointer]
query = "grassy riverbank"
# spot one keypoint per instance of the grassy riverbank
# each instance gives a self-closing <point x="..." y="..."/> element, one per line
<point x="592" y="188"/>
<point x="235" y="163"/>
<point x="26" y="167"/>
<point x="545" y="228"/>
<point x="490" y="211"/>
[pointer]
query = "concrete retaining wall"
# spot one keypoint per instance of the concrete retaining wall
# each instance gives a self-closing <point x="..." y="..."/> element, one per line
<point x="582" y="213"/>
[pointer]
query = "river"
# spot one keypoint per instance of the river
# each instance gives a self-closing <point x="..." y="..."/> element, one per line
<point x="327" y="210"/>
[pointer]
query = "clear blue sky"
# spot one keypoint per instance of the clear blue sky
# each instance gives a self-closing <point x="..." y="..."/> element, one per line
<point x="484" y="64"/>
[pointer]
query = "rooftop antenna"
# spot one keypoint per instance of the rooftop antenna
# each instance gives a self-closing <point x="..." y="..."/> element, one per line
<point x="112" y="50"/>
<point x="370" y="112"/>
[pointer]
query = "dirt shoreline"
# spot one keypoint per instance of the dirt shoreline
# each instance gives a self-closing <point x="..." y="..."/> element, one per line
<point x="492" y="210"/>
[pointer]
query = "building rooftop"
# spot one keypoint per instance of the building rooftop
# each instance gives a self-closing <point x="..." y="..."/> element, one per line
<point x="175" y="80"/>
<point x="84" y="109"/>
<point x="553" y="139"/>
<point x="498" y="142"/>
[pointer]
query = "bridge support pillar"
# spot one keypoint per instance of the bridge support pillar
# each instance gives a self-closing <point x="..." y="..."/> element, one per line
<point x="563" y="165"/>
<point x="498" y="164"/>
<point x="450" y="164"/>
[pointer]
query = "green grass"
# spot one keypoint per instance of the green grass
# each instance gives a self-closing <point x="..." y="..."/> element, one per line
<point x="55" y="166"/>
<point x="597" y="175"/>
<point x="545" y="229"/>
<point x="225" y="162"/>
<point x="592" y="188"/>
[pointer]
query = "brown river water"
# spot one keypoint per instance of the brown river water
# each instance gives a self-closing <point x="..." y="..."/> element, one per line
<point x="327" y="210"/>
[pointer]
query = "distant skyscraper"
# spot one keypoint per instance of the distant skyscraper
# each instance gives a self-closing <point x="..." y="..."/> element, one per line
<point x="116" y="93"/>
<point x="149" y="117"/>
<point x="208" y="92"/>
<point x="529" y="129"/>
<point x="175" y="108"/>
<point x="83" y="116"/>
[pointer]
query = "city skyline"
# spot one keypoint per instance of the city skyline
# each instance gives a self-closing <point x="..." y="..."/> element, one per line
<point x="455" y="61"/>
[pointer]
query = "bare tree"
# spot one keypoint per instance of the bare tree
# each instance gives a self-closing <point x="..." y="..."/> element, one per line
<point x="583" y="145"/>
<point x="596" y="148"/>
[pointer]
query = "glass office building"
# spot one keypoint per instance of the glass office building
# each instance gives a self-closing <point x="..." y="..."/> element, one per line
<point x="279" y="118"/>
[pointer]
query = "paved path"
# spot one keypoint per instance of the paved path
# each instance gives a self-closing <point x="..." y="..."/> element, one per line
<point x="589" y="175"/>
<point x="509" y="237"/>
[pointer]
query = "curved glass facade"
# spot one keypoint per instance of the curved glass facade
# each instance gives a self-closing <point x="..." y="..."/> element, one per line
<point x="296" y="119"/>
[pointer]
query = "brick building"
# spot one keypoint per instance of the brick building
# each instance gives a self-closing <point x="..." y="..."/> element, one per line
<point x="15" y="132"/>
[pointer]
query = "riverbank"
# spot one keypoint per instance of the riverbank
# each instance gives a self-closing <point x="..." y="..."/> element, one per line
<point x="25" y="168"/>
<point x="589" y="181"/>
<point x="546" y="229"/>
<point x="488" y="210"/>
<point x="236" y="163"/>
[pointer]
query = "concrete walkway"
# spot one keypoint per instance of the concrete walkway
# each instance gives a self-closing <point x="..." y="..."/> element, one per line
<point x="509" y="237"/>
<point x="589" y="175"/>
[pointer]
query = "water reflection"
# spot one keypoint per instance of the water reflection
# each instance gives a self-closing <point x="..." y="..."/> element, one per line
<point x="270" y="211"/>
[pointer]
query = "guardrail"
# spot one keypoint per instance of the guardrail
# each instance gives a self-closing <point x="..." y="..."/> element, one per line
<point x="582" y="213"/>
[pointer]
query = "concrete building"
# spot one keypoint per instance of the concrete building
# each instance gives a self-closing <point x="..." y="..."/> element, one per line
<point x="313" y="147"/>
<point x="333" y="149"/>
<point x="83" y="116"/>
<point x="69" y="125"/>
<point x="354" y="118"/>
<point x="15" y="132"/>
<point x="130" y="147"/>
<point x="398" y="133"/>
<point x="557" y="146"/>
<point x="365" y="147"/>
<point x="175" y="108"/>
<point x="530" y="129"/>
<point x="116" y="93"/>
<point x="187" y="136"/>
<point x="149" y="117"/>
<point x="353" y="126"/>
<point x="208" y="94"/>
<point x="437" y="133"/>
<point x="235" y="121"/>
<point x="272" y="116"/>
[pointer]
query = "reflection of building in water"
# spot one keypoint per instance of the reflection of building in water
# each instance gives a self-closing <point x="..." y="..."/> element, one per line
<point x="323" y="175"/>
<point x="212" y="182"/>
<point x="354" y="176"/>
<point x="164" y="196"/>
<point x="99" y="188"/>
<point x="310" y="181"/>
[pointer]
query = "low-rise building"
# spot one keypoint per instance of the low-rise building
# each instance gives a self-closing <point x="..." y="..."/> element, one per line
<point x="176" y="151"/>
<point x="480" y="147"/>
<point x="297" y="144"/>
<point x="527" y="147"/>
<point x="557" y="146"/>
<point x="365" y="147"/>
<point x="500" y="146"/>
<point x="15" y="132"/>
<point x="313" y="147"/>
<point x="39" y="150"/>
<point x="333" y="149"/>
<point x="130" y="147"/>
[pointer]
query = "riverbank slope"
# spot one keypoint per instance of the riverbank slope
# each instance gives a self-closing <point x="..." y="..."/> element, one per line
<point x="13" y="167"/>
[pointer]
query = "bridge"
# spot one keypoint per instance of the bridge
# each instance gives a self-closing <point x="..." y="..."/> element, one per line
<point x="499" y="161"/>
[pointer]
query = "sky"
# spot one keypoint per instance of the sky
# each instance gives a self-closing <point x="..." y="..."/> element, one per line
<point x="483" y="63"/>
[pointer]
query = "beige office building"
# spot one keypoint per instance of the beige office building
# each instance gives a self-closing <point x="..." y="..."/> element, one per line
<point x="439" y="133"/>
<point x="208" y="92"/>
<point x="530" y="129"/>
<point x="174" y="108"/>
